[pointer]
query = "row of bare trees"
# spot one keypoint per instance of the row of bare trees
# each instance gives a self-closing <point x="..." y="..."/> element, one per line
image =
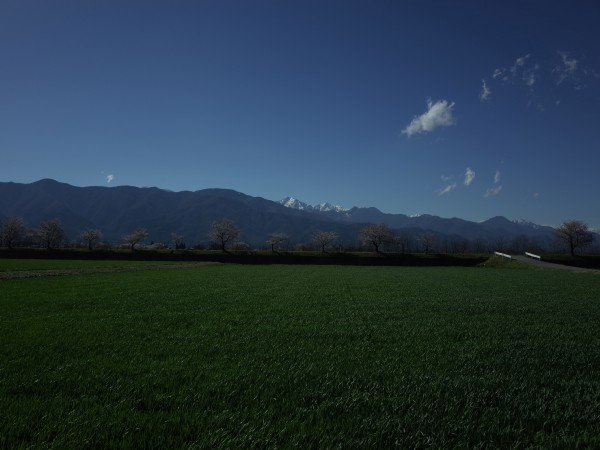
<point x="376" y="236"/>
<point x="50" y="233"/>
<point x="225" y="232"/>
<point x="573" y="235"/>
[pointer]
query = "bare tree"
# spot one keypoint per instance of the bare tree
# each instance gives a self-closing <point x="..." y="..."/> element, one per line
<point x="50" y="233"/>
<point x="376" y="234"/>
<point x="519" y="244"/>
<point x="324" y="238"/>
<point x="403" y="241"/>
<point x="224" y="232"/>
<point x="427" y="240"/>
<point x="277" y="239"/>
<point x="91" y="237"/>
<point x="13" y="230"/>
<point x="178" y="241"/>
<point x="136" y="237"/>
<point x="574" y="234"/>
<point x="480" y="245"/>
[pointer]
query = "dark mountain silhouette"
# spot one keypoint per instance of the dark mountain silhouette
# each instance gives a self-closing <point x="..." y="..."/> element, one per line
<point x="493" y="228"/>
<point x="119" y="210"/>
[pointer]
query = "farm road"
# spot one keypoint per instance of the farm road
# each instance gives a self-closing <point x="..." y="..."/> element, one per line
<point x="547" y="265"/>
<point x="11" y="275"/>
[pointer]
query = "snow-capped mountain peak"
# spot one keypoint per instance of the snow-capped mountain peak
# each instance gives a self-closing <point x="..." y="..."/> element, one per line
<point x="294" y="203"/>
<point x="526" y="223"/>
<point x="330" y="207"/>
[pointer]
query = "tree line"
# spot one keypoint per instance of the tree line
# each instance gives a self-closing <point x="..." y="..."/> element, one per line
<point x="573" y="236"/>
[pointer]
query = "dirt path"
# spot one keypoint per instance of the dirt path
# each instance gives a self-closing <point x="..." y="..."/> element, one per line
<point x="537" y="263"/>
<point x="18" y="274"/>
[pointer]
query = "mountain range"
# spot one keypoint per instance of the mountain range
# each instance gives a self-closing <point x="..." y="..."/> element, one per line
<point x="119" y="210"/>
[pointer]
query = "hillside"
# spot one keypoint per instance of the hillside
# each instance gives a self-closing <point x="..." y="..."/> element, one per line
<point x="119" y="210"/>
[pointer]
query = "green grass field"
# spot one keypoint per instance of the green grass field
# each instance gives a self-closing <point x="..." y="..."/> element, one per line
<point x="234" y="356"/>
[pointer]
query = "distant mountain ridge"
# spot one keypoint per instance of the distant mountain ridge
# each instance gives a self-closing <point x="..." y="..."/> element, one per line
<point x="498" y="225"/>
<point x="119" y="210"/>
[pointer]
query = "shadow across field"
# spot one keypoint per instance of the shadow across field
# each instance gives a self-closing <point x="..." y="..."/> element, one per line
<point x="353" y="259"/>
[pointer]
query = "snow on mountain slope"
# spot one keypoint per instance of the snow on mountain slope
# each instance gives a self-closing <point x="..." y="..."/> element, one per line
<point x="294" y="203"/>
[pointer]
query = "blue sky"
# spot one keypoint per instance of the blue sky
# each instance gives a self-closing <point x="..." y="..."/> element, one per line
<point x="466" y="109"/>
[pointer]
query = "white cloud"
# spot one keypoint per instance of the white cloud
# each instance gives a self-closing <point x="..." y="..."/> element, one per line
<point x="109" y="178"/>
<point x="485" y="93"/>
<point x="448" y="188"/>
<point x="568" y="69"/>
<point x="520" y="62"/>
<point x="469" y="176"/>
<point x="526" y="72"/>
<point x="495" y="190"/>
<point x="498" y="73"/>
<point x="530" y="75"/>
<point x="438" y="114"/>
<point x="522" y="69"/>
<point x="571" y="70"/>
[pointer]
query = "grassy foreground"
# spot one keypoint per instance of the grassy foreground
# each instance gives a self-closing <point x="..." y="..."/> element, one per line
<point x="231" y="356"/>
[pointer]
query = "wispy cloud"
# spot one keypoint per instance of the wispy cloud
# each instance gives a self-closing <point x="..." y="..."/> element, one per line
<point x="109" y="178"/>
<point x="567" y="70"/>
<point x="497" y="177"/>
<point x="447" y="189"/>
<point x="500" y="74"/>
<point x="526" y="72"/>
<point x="469" y="176"/>
<point x="519" y="63"/>
<point x="496" y="188"/>
<point x="571" y="70"/>
<point x="438" y="114"/>
<point x="530" y="75"/>
<point x="485" y="93"/>
<point x="523" y="69"/>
